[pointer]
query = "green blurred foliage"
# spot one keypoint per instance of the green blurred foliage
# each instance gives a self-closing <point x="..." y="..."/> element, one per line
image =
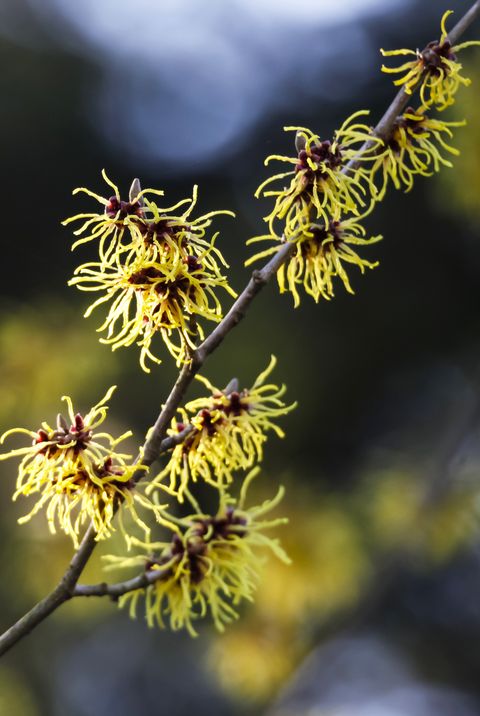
<point x="15" y="695"/>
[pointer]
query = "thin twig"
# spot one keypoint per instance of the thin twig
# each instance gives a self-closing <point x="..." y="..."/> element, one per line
<point x="114" y="591"/>
<point x="152" y="448"/>
<point x="464" y="23"/>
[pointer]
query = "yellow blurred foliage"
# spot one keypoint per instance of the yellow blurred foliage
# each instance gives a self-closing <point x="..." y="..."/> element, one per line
<point x="46" y="351"/>
<point x="391" y="501"/>
<point x="329" y="568"/>
<point x="328" y="565"/>
<point x="252" y="659"/>
<point x="15" y="695"/>
<point x="334" y="541"/>
<point x="451" y="525"/>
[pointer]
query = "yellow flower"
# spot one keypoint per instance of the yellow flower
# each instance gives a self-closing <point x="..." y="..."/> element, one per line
<point x="76" y="472"/>
<point x="436" y="68"/>
<point x="320" y="182"/>
<point x="164" y="235"/>
<point x="140" y="225"/>
<point x="118" y="216"/>
<point x="210" y="565"/>
<point x="150" y="297"/>
<point x="321" y="250"/>
<point x="414" y="147"/>
<point x="229" y="430"/>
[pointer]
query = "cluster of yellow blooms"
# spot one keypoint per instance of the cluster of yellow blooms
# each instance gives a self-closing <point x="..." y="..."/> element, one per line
<point x="319" y="180"/>
<point x="211" y="562"/>
<point x="159" y="273"/>
<point x="76" y="473"/>
<point x="319" y="251"/>
<point x="414" y="147"/>
<point x="229" y="429"/>
<point x="156" y="269"/>
<point x="333" y="185"/>
<point x="209" y="565"/>
<point x="436" y="68"/>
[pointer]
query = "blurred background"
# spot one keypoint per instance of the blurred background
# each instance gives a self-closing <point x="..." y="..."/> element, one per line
<point x="379" y="614"/>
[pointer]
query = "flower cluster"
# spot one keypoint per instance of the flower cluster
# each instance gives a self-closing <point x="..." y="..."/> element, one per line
<point x="436" y="69"/>
<point x="209" y="565"/>
<point x="418" y="140"/>
<point x="413" y="148"/>
<point x="324" y="179"/>
<point x="156" y="270"/>
<point x="229" y="430"/>
<point x="77" y="473"/>
<point x="331" y="189"/>
<point x="333" y="185"/>
<point x="320" y="252"/>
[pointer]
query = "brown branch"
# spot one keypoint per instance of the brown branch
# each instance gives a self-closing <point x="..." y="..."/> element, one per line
<point x="114" y="591"/>
<point x="153" y="445"/>
<point x="464" y="23"/>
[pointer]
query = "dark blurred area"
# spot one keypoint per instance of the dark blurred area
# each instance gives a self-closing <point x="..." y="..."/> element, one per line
<point x="379" y="614"/>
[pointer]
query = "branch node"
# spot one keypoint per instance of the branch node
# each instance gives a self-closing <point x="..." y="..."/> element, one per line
<point x="258" y="277"/>
<point x="198" y="358"/>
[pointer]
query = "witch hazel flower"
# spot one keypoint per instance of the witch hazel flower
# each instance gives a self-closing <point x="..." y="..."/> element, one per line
<point x="76" y="473"/>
